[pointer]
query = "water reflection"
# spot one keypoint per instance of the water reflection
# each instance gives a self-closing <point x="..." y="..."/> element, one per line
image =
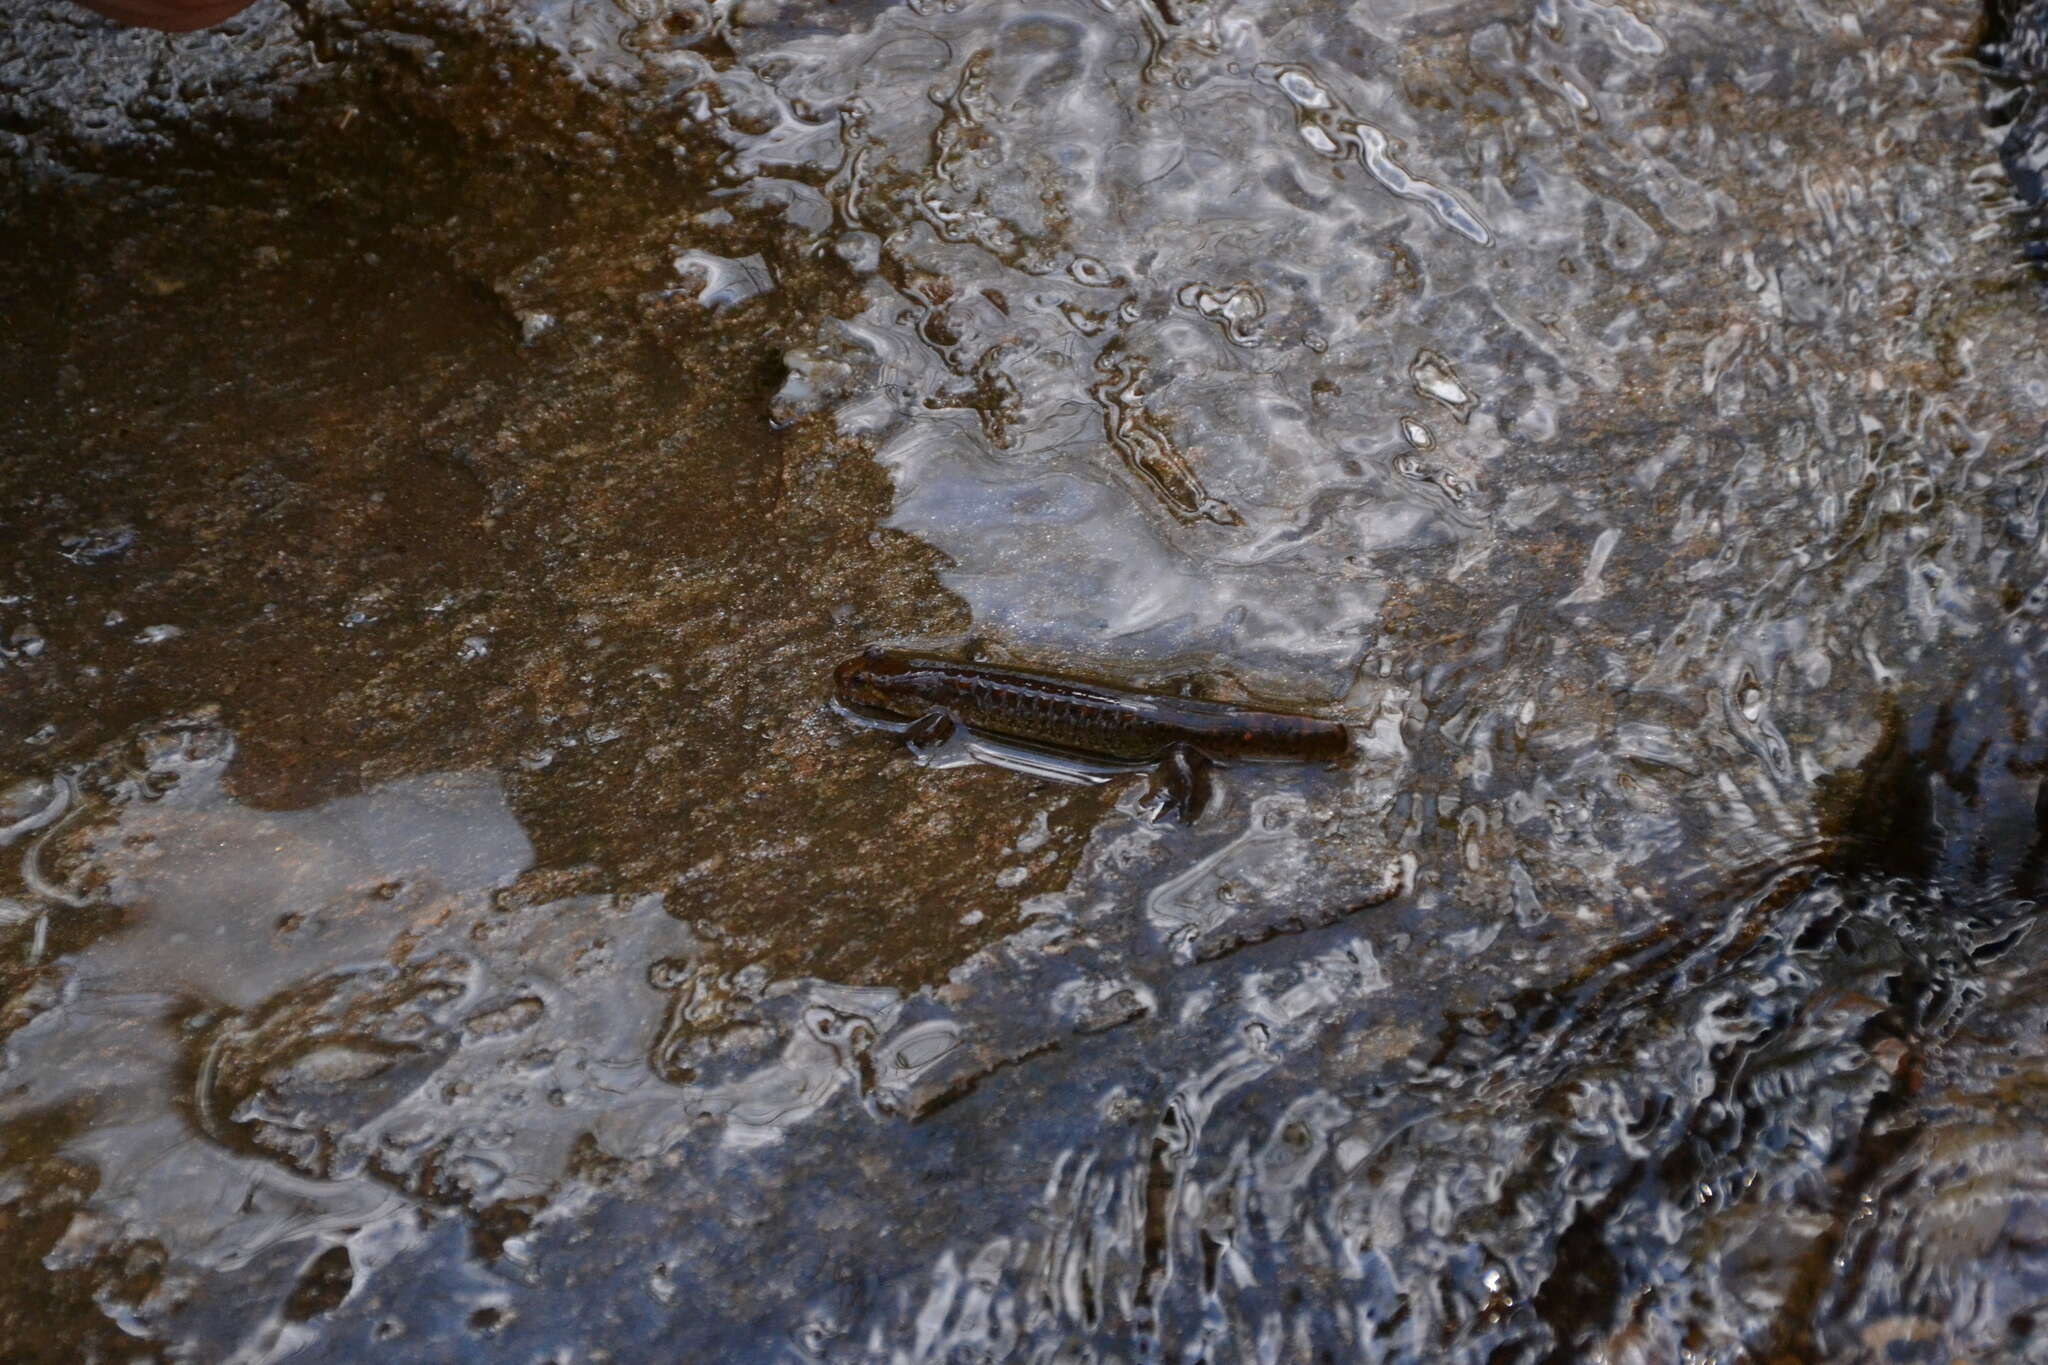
<point x="1620" y="415"/>
<point x="1159" y="1125"/>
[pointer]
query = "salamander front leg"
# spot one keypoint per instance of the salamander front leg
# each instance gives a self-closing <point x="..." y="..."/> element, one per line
<point x="1184" y="782"/>
<point x="928" y="733"/>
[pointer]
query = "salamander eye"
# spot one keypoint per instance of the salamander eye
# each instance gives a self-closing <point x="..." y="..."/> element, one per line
<point x="856" y="676"/>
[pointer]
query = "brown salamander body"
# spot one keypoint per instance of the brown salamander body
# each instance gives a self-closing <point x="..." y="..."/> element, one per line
<point x="1081" y="718"/>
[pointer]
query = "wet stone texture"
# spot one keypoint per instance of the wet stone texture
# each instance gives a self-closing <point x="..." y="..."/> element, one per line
<point x="445" y="448"/>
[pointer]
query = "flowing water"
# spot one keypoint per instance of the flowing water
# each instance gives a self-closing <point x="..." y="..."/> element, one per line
<point x="446" y="448"/>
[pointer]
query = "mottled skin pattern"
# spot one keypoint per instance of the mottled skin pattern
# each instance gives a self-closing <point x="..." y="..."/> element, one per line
<point x="1087" y="719"/>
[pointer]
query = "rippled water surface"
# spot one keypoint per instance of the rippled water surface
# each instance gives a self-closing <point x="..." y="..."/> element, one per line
<point x="446" y="448"/>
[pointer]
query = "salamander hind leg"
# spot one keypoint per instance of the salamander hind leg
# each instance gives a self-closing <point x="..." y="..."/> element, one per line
<point x="1185" y="784"/>
<point x="928" y="733"/>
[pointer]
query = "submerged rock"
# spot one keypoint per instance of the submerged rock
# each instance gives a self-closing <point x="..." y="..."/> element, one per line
<point x="448" y="445"/>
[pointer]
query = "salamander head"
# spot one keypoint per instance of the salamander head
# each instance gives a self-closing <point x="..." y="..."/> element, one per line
<point x="863" y="682"/>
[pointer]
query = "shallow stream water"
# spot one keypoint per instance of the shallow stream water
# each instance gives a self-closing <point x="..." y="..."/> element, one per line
<point x="445" y="448"/>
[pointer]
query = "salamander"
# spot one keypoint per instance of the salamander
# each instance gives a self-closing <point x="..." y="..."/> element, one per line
<point x="1179" y="736"/>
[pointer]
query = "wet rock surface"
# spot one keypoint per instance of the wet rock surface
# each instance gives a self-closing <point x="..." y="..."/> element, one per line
<point x="2014" y="50"/>
<point x="446" y="448"/>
